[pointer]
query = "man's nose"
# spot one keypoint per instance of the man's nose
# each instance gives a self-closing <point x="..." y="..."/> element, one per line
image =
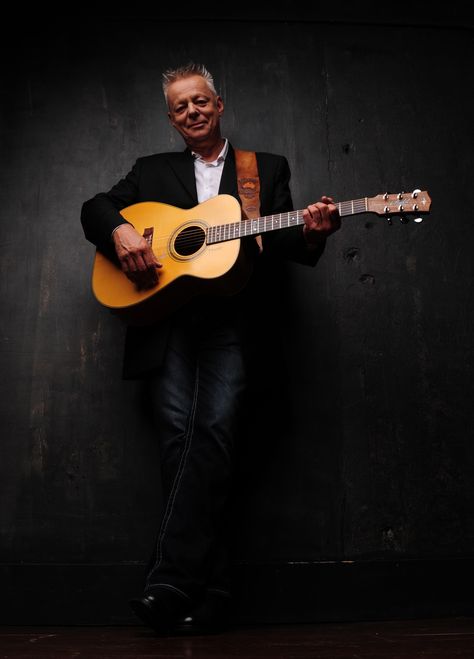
<point x="192" y="109"/>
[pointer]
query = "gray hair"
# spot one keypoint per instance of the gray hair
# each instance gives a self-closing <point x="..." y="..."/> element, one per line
<point x="186" y="71"/>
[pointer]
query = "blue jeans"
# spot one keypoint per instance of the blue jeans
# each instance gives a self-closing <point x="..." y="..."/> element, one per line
<point x="197" y="398"/>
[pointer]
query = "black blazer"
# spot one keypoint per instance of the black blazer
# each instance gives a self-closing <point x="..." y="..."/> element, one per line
<point x="169" y="178"/>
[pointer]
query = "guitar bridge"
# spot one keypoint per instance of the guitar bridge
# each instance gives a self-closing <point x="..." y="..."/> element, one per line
<point x="148" y="235"/>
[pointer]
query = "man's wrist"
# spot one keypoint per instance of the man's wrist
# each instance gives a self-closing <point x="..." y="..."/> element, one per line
<point x="118" y="227"/>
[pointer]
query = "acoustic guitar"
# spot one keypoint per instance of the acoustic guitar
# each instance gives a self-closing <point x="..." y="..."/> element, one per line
<point x="201" y="249"/>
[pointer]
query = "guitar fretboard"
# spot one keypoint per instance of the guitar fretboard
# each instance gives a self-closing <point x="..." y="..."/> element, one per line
<point x="221" y="232"/>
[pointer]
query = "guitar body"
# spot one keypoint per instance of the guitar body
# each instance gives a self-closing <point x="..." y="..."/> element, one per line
<point x="190" y="266"/>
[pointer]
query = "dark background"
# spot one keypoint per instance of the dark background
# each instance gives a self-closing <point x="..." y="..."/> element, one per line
<point x="358" y="500"/>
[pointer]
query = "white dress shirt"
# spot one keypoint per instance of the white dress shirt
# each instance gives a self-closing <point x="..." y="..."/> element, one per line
<point x="208" y="174"/>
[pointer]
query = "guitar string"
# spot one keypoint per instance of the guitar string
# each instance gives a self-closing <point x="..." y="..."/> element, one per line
<point x="351" y="207"/>
<point x="288" y="220"/>
<point x="192" y="235"/>
<point x="199" y="238"/>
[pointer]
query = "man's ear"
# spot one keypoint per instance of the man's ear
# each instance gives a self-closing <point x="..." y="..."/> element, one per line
<point x="220" y="105"/>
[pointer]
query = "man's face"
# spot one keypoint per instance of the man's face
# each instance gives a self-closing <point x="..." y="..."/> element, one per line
<point x="194" y="110"/>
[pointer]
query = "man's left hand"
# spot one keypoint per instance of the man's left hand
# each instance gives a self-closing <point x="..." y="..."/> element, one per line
<point x="321" y="219"/>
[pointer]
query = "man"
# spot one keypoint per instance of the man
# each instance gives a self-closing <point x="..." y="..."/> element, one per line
<point x="195" y="362"/>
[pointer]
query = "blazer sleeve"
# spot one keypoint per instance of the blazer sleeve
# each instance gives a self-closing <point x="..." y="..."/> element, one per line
<point x="101" y="214"/>
<point x="287" y="243"/>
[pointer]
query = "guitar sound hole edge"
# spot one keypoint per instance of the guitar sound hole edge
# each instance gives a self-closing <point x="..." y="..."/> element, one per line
<point x="188" y="241"/>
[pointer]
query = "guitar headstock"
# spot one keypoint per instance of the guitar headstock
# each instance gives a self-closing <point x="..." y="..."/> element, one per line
<point x="403" y="204"/>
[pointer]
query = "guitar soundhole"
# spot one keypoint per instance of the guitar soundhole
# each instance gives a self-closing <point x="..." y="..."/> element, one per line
<point x="189" y="241"/>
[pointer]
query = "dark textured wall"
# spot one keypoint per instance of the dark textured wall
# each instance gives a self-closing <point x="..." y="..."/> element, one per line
<point x="371" y="361"/>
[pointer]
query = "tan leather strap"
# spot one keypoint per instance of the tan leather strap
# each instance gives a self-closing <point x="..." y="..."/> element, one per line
<point x="248" y="186"/>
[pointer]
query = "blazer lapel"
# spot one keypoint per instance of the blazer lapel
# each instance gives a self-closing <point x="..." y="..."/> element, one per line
<point x="183" y="166"/>
<point x="228" y="184"/>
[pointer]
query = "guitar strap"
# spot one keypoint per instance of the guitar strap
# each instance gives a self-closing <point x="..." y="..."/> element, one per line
<point x="248" y="186"/>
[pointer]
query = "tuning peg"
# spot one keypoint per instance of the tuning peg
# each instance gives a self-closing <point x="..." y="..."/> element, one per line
<point x="389" y="221"/>
<point x="415" y="193"/>
<point x="404" y="219"/>
<point x="418" y="220"/>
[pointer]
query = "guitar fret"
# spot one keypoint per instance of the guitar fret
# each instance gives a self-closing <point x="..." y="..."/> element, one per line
<point x="234" y="230"/>
<point x="352" y="207"/>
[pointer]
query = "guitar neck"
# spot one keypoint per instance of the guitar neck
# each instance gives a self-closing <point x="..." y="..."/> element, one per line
<point x="220" y="233"/>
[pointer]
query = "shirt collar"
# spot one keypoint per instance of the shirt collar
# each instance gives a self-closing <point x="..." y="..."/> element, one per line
<point x="220" y="158"/>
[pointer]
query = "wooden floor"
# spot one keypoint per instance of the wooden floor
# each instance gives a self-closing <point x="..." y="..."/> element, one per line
<point x="412" y="639"/>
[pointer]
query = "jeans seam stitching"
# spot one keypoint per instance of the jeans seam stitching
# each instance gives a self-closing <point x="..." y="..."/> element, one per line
<point x="179" y="474"/>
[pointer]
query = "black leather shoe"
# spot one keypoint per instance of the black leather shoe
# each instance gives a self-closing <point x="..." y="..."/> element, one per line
<point x="157" y="614"/>
<point x="211" y="616"/>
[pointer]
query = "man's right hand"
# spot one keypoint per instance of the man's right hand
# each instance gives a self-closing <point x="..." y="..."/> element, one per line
<point x="136" y="256"/>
